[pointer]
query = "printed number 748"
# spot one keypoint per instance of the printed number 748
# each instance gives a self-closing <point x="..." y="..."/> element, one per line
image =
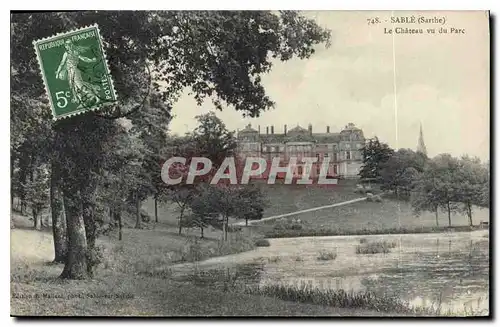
<point x="372" y="21"/>
<point x="61" y="98"/>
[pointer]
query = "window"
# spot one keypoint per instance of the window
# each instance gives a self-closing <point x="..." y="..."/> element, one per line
<point x="299" y="170"/>
<point x="317" y="157"/>
<point x="348" y="155"/>
<point x="335" y="169"/>
<point x="325" y="155"/>
<point x="335" y="156"/>
<point x="318" y="169"/>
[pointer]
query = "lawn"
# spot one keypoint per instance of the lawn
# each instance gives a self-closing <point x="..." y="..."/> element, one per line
<point x="122" y="285"/>
<point x="365" y="218"/>
<point x="282" y="199"/>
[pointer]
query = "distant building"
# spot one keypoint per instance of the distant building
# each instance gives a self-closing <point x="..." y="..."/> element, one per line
<point x="421" y="145"/>
<point x="343" y="148"/>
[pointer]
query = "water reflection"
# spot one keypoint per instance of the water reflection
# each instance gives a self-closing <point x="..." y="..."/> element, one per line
<point x="453" y="272"/>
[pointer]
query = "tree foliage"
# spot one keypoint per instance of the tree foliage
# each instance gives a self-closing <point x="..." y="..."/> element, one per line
<point x="400" y="171"/>
<point x="375" y="154"/>
<point x="454" y="185"/>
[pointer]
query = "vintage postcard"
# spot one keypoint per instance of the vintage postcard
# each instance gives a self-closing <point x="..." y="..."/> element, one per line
<point x="315" y="163"/>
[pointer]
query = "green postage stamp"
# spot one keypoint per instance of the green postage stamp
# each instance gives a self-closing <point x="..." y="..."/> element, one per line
<point x="75" y="72"/>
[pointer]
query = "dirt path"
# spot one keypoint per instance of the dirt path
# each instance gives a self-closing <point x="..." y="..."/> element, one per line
<point x="29" y="246"/>
<point x="253" y="222"/>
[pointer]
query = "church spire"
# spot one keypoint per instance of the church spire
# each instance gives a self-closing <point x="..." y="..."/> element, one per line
<point x="421" y="145"/>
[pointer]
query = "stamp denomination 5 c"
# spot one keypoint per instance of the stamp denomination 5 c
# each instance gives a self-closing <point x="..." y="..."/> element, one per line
<point x="75" y="72"/>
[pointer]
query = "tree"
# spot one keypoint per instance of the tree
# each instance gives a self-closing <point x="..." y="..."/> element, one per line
<point x="181" y="194"/>
<point x="400" y="171"/>
<point x="214" y="204"/>
<point x="151" y="128"/>
<point x="213" y="140"/>
<point x="472" y="181"/>
<point x="219" y="55"/>
<point x="58" y="218"/>
<point x="38" y="193"/>
<point x="427" y="197"/>
<point x="375" y="154"/>
<point x="445" y="170"/>
<point x="251" y="202"/>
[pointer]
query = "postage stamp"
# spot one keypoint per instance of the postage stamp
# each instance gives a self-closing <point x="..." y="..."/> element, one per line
<point x="75" y="72"/>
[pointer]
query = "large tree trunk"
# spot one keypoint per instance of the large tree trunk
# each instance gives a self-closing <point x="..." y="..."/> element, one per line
<point x="76" y="263"/>
<point x="138" y="213"/>
<point x="36" y="220"/>
<point x="156" y="209"/>
<point x="437" y="218"/>
<point x="90" y="224"/>
<point x="469" y="213"/>
<point x="449" y="213"/>
<point x="23" y="178"/>
<point x="117" y="219"/>
<point x="58" y="221"/>
<point x="201" y="232"/>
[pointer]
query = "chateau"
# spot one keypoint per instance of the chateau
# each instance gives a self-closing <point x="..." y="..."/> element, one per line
<point x="343" y="149"/>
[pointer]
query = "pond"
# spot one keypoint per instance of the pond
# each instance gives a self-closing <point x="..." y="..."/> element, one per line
<point x="424" y="269"/>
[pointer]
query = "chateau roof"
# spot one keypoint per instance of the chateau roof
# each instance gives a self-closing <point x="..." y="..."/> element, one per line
<point x="248" y="129"/>
<point x="300" y="134"/>
<point x="297" y="130"/>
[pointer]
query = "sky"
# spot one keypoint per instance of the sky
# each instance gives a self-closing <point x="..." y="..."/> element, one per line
<point x="440" y="81"/>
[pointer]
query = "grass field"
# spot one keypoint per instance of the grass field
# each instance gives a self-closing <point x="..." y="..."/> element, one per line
<point x="122" y="286"/>
<point x="389" y="216"/>
<point x="281" y="199"/>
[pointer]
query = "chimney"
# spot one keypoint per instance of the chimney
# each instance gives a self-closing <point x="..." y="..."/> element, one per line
<point x="272" y="129"/>
<point x="310" y="128"/>
<point x="328" y="129"/>
<point x="285" y="129"/>
<point x="267" y="130"/>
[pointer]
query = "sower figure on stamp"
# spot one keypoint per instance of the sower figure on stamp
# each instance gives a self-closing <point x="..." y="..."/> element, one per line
<point x="82" y="92"/>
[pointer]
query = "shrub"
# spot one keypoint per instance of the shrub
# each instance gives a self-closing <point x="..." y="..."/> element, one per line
<point x="274" y="259"/>
<point x="375" y="247"/>
<point x="262" y="243"/>
<point x="233" y="229"/>
<point x="341" y="299"/>
<point x="325" y="256"/>
<point x="362" y="240"/>
<point x="288" y="225"/>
